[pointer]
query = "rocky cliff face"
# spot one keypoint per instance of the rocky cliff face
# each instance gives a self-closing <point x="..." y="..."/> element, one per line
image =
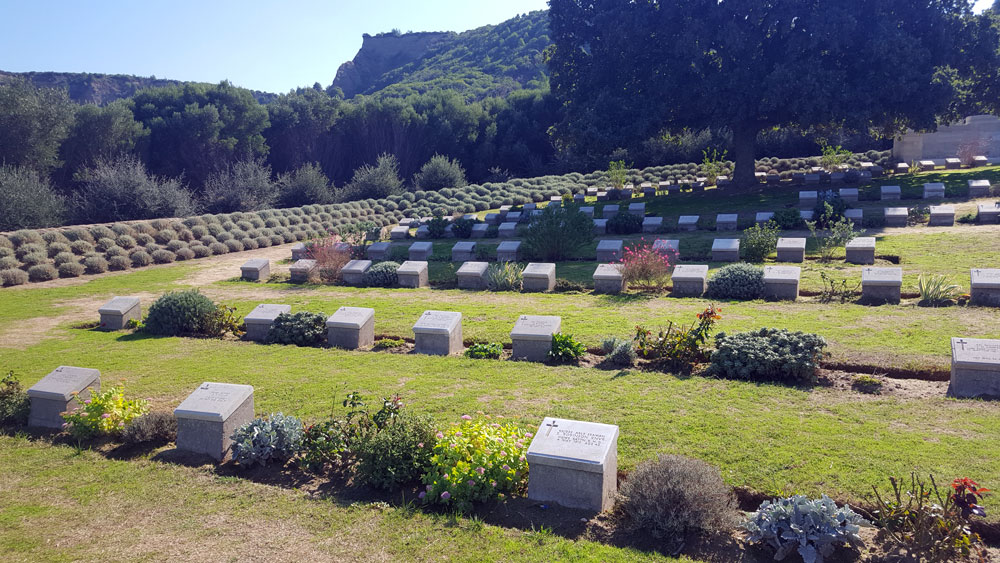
<point x="382" y="53"/>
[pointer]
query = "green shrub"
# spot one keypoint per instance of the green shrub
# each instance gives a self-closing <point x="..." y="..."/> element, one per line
<point x="397" y="454"/>
<point x="504" y="276"/>
<point x="42" y="272"/>
<point x="829" y="209"/>
<point x="200" y="251"/>
<point x="568" y="286"/>
<point x="937" y="291"/>
<point x="624" y="224"/>
<point x="678" y="347"/>
<point x="25" y="236"/>
<point x="375" y="182"/>
<point x="31" y="248"/>
<point x="81" y="247"/>
<point x="34" y="259"/>
<point x="768" y="354"/>
<point x="619" y="351"/>
<point x="558" y="233"/>
<point x="9" y="262"/>
<point x="476" y="461"/>
<point x="54" y="249"/>
<point x="388" y="343"/>
<point x="11" y="277"/>
<point x="95" y="264"/>
<point x="437" y="227"/>
<point x="440" y="172"/>
<point x="106" y="413"/>
<point x="737" y="281"/>
<point x="27" y="199"/>
<point x="14" y="402"/>
<point x="71" y="270"/>
<point x="813" y="527"/>
<point x="301" y="329"/>
<point x="179" y="313"/>
<point x="674" y="495"/>
<point x="163" y="256"/>
<point x="382" y="274"/>
<point x="565" y="349"/>
<point x="158" y="427"/>
<point x="119" y="263"/>
<point x="116" y="251"/>
<point x="218" y="248"/>
<point x="484" y="351"/>
<point x="462" y="228"/>
<point x="140" y="258"/>
<point x="277" y="438"/>
<point x="759" y="241"/>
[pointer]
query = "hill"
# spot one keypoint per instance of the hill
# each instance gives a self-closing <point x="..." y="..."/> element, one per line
<point x="488" y="61"/>
<point x="100" y="89"/>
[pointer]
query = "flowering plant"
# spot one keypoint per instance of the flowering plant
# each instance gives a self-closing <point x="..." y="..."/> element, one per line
<point x="647" y="269"/>
<point x="105" y="412"/>
<point x="476" y="461"/>
<point x="678" y="346"/>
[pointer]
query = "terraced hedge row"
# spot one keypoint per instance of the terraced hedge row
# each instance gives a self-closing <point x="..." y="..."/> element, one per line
<point x="74" y="251"/>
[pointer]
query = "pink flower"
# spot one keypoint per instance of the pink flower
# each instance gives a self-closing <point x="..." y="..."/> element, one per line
<point x="65" y="425"/>
<point x="493" y="483"/>
<point x="421" y="495"/>
<point x="480" y="470"/>
<point x="506" y="467"/>
<point x="528" y="435"/>
<point x="105" y="415"/>
<point x="466" y="417"/>
<point x="439" y="435"/>
<point x="458" y="433"/>
<point x="429" y="487"/>
<point x="420" y="445"/>
<point x="521" y="458"/>
<point x="87" y="402"/>
<point x="472" y="483"/>
<point x="454" y="445"/>
<point x="446" y="495"/>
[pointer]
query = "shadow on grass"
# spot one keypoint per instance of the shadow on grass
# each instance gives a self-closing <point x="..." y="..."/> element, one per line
<point x="138" y="336"/>
<point x="614" y="300"/>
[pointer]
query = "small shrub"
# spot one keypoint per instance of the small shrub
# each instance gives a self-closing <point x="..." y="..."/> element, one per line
<point x="42" y="272"/>
<point x="81" y="247"/>
<point x="504" y="276"/>
<point x="95" y="264"/>
<point x="30" y="248"/>
<point x="9" y="262"/>
<point x="140" y="258"/>
<point x="619" y="351"/>
<point x="106" y="413"/>
<point x="160" y="427"/>
<point x="12" y="277"/>
<point x="558" y="233"/>
<point x="35" y="258"/>
<point x="388" y="343"/>
<point x="484" y="351"/>
<point x="624" y="224"/>
<point x="759" y="241"/>
<point x="867" y="384"/>
<point x="678" y="347"/>
<point x="918" y="214"/>
<point x="71" y="270"/>
<point x="163" y="256"/>
<point x="838" y="290"/>
<point x="937" y="291"/>
<point x="646" y="269"/>
<point x="382" y="274"/>
<point x="15" y="405"/>
<point x="179" y="313"/>
<point x="301" y="329"/>
<point x="334" y="441"/>
<point x="330" y="256"/>
<point x="829" y="209"/>
<point x="437" y="227"/>
<point x="737" y="281"/>
<point x="565" y="349"/>
<point x="768" y="354"/>
<point x="62" y="258"/>
<point x="812" y="527"/>
<point x="476" y="461"/>
<point x="119" y="263"/>
<point x="234" y="245"/>
<point x="185" y="254"/>
<point x="53" y="250"/>
<point x="673" y="495"/>
<point x="200" y="251"/>
<point x="218" y="248"/>
<point x="567" y="286"/>
<point x="276" y="438"/>
<point x="462" y="228"/>
<point x="838" y="234"/>
<point x="397" y="454"/>
<point x="440" y="172"/>
<point x="788" y="219"/>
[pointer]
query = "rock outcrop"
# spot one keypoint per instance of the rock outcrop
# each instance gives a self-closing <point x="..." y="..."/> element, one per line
<point x="380" y="54"/>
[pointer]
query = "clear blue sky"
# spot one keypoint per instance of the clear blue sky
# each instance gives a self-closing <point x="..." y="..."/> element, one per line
<point x="272" y="46"/>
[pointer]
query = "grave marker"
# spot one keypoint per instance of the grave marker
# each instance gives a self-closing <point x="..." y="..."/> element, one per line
<point x="881" y="285"/>
<point x="532" y="337"/>
<point x="60" y="391"/>
<point x="985" y="287"/>
<point x="353" y="273"/>
<point x="117" y="312"/>
<point x="791" y="249"/>
<point x="975" y="368"/>
<point x="608" y="279"/>
<point x="207" y="418"/>
<point x="351" y="328"/>
<point x="689" y="280"/>
<point x="256" y="269"/>
<point x="420" y="251"/>
<point x="438" y="333"/>
<point x="574" y="464"/>
<point x="782" y="282"/>
<point x="413" y="274"/>
<point x="726" y="250"/>
<point x="301" y="270"/>
<point x="259" y="320"/>
<point x="609" y="250"/>
<point x="539" y="276"/>
<point x="472" y="275"/>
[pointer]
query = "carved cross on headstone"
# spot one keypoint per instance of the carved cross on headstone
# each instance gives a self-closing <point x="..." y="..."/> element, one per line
<point x="963" y="342"/>
<point x="551" y="425"/>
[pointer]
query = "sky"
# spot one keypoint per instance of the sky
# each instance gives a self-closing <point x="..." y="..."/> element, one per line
<point x="273" y="46"/>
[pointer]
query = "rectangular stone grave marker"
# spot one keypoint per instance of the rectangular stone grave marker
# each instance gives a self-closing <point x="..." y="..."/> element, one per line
<point x="420" y="251"/>
<point x="299" y="251"/>
<point x="934" y="190"/>
<point x="850" y="195"/>
<point x="423" y="232"/>
<point x="472" y="275"/>
<point x="378" y="251"/>
<point x="881" y="285"/>
<point x="400" y="232"/>
<point x="353" y="273"/>
<point x="979" y="188"/>
<point x="301" y="270"/>
<point x="438" y="333"/>
<point x="726" y="221"/>
<point x="812" y="178"/>
<point x="62" y="390"/>
<point x="508" y="250"/>
<point x="782" y="282"/>
<point x="117" y="312"/>
<point x="979" y="161"/>
<point x="890" y="192"/>
<point x="207" y="418"/>
<point x="539" y="276"/>
<point x="637" y="209"/>
<point x="532" y="337"/>
<point x="609" y="250"/>
<point x="507" y="230"/>
<point x="609" y="211"/>
<point x="574" y="464"/>
<point x="463" y="251"/>
<point x="942" y="216"/>
<point x="492" y="218"/>
<point x="667" y="247"/>
<point x="588" y="211"/>
<point x="479" y="230"/>
<point x="989" y="213"/>
<point x="259" y="320"/>
<point x="806" y="214"/>
<point x="791" y="249"/>
<point x="952" y="163"/>
<point x="351" y="328"/>
<point x="600" y="226"/>
<point x="861" y="250"/>
<point x="985" y="287"/>
<point x="726" y="250"/>
<point x="808" y="198"/>
<point x="689" y="280"/>
<point x="926" y="165"/>
<point x="764" y="216"/>
<point x="608" y="279"/>
<point x="687" y="223"/>
<point x="413" y="274"/>
<point x="896" y="216"/>
<point x="256" y="269"/>
<point x="513" y="217"/>
<point x="652" y="224"/>
<point x="975" y="368"/>
<point x="855" y="215"/>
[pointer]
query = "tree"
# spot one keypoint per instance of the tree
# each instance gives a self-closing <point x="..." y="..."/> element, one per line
<point x="440" y="172"/>
<point x="27" y="201"/>
<point x="122" y="190"/>
<point x="303" y="186"/>
<point x="299" y="123"/>
<point x="558" y="233"/>
<point x="243" y="186"/>
<point x="33" y="122"/>
<point x="374" y="182"/>
<point x="631" y="69"/>
<point x="100" y="133"/>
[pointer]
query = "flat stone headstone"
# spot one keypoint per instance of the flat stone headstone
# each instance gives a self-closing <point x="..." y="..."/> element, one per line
<point x="610" y="250"/>
<point x="413" y="274"/>
<point x="588" y="211"/>
<point x="979" y="161"/>
<point x="855" y="215"/>
<point x="896" y="216"/>
<point x="256" y="269"/>
<point x="942" y="216"/>
<point x="726" y="250"/>
<point x="667" y="247"/>
<point x="579" y="198"/>
<point x="600" y="226"/>
<point x="301" y="270"/>
<point x="808" y="198"/>
<point x="299" y="251"/>
<point x="608" y="279"/>
<point x="351" y="328"/>
<point x="638" y="209"/>
<point x="952" y="163"/>
<point x="503" y="211"/>
<point x="378" y="251"/>
<point x="472" y="275"/>
<point x="861" y="250"/>
<point x="463" y="251"/>
<point x="652" y="224"/>
<point x="988" y="213"/>
<point x="207" y="418"/>
<point x="979" y="188"/>
<point x="574" y="464"/>
<point x="117" y="312"/>
<point x="689" y="280"/>
<point x="479" y="230"/>
<point x="438" y="333"/>
<point x="890" y="192"/>
<point x="764" y="216"/>
<point x="532" y="337"/>
<point x="782" y="282"/>
<point x="492" y="218"/>
<point x="529" y="207"/>
<point x="849" y="195"/>
<point x="975" y="368"/>
<point x="812" y="178"/>
<point x="420" y="251"/>
<point x="688" y="222"/>
<point x="933" y="190"/>
<point x="423" y="232"/>
<point x="353" y="273"/>
<point x="592" y="191"/>
<point x="985" y="287"/>
<point x="508" y="250"/>
<point x="259" y="320"/>
<point x="507" y="230"/>
<point x="539" y="276"/>
<point x="726" y="221"/>
<point x="400" y="232"/>
<point x="609" y="211"/>
<point x="513" y="217"/>
<point x="791" y="249"/>
<point x="881" y="285"/>
<point x="60" y="391"/>
<point x="806" y="214"/>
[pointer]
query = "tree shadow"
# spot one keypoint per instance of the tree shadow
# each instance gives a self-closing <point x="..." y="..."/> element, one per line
<point x="617" y="299"/>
